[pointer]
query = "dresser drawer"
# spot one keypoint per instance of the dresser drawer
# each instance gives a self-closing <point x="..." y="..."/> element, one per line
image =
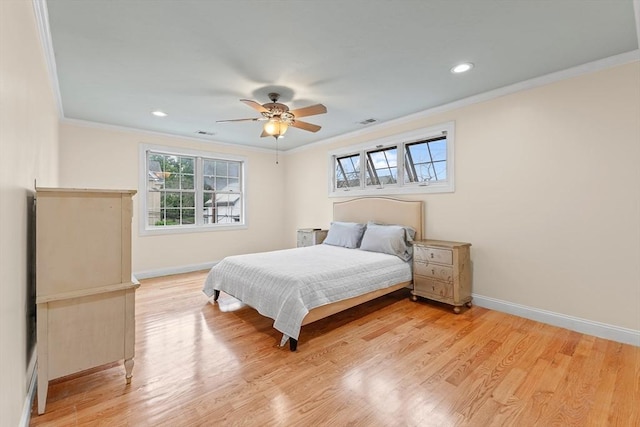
<point x="427" y="254"/>
<point x="427" y="287"/>
<point x="441" y="272"/>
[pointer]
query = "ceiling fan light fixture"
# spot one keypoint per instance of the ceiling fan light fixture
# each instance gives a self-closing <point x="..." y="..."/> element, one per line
<point x="275" y="128"/>
<point x="461" y="68"/>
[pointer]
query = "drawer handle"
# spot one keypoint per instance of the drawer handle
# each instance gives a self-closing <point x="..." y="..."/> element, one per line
<point x="433" y="271"/>
<point x="431" y="254"/>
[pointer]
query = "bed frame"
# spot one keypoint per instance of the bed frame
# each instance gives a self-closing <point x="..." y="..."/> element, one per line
<point x="379" y="209"/>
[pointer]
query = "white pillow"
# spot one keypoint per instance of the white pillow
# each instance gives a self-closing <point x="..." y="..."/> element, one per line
<point x="388" y="239"/>
<point x="345" y="234"/>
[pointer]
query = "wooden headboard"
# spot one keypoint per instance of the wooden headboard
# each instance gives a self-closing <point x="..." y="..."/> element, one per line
<point x="383" y="210"/>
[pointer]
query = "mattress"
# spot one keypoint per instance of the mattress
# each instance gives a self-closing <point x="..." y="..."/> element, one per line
<point x="284" y="285"/>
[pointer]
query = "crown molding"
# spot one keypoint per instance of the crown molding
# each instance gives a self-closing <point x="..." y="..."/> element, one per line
<point x="44" y="33"/>
<point x="118" y="128"/>
<point x="590" y="67"/>
<point x="636" y="12"/>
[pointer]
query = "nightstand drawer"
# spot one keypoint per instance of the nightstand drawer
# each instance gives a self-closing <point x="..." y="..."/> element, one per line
<point x="424" y="286"/>
<point x="441" y="272"/>
<point x="305" y="239"/>
<point x="443" y="256"/>
<point x="310" y="237"/>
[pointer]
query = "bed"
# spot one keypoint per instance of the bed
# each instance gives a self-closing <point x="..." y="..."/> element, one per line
<point x="295" y="287"/>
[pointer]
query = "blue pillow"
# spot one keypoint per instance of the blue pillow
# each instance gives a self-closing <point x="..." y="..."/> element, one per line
<point x="345" y="234"/>
<point x="389" y="239"/>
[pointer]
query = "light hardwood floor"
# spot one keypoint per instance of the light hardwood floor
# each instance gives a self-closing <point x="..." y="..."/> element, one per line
<point x="389" y="362"/>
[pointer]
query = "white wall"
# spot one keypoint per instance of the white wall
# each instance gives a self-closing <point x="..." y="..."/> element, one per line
<point x="547" y="191"/>
<point x="100" y="157"/>
<point x="28" y="151"/>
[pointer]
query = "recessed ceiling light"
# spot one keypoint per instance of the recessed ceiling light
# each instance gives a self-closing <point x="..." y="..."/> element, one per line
<point x="461" y="68"/>
<point x="159" y="113"/>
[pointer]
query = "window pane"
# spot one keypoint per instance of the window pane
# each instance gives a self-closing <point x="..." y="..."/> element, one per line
<point x="438" y="149"/>
<point x="221" y="168"/>
<point x="172" y="181"/>
<point x="209" y="167"/>
<point x="171" y="216"/>
<point x="171" y="164"/>
<point x="187" y="165"/>
<point x="188" y="200"/>
<point x="153" y="207"/>
<point x="207" y="203"/>
<point x="209" y="183"/>
<point x="171" y="200"/>
<point x="382" y="166"/>
<point x="221" y="184"/>
<point x="234" y="184"/>
<point x="188" y="216"/>
<point x="187" y="182"/>
<point x="348" y="171"/>
<point x="234" y="169"/>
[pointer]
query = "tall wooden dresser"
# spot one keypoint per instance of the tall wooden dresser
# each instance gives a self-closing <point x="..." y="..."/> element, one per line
<point x="85" y="294"/>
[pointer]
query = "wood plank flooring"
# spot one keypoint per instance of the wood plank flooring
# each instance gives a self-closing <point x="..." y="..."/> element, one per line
<point x="389" y="362"/>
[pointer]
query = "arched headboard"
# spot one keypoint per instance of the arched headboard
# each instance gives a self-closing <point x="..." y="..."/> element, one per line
<point x="383" y="210"/>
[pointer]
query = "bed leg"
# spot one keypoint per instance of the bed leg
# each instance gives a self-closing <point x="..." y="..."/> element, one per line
<point x="216" y="294"/>
<point x="293" y="344"/>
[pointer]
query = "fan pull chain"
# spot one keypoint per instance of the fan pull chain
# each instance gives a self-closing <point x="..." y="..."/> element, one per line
<point x="276" y="150"/>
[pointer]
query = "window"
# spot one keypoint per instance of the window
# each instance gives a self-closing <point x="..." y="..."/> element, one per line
<point x="382" y="166"/>
<point x="413" y="162"/>
<point x="348" y="171"/>
<point x="190" y="191"/>
<point x="426" y="161"/>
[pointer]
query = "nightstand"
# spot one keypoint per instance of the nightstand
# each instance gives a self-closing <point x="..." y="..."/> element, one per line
<point x="311" y="236"/>
<point x="442" y="272"/>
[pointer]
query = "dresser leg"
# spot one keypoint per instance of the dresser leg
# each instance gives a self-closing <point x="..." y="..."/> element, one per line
<point x="128" y="367"/>
<point x="469" y="304"/>
<point x="414" y="298"/>
<point x="456" y="309"/>
<point x="43" y="355"/>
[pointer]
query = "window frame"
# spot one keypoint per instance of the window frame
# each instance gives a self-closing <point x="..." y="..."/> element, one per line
<point x="200" y="226"/>
<point x="400" y="141"/>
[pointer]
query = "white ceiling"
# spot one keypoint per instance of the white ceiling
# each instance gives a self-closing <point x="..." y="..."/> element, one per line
<point x="118" y="60"/>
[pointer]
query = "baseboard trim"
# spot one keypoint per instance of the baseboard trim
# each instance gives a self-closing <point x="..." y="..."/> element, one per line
<point x="32" y="373"/>
<point x="173" y="270"/>
<point x="584" y="326"/>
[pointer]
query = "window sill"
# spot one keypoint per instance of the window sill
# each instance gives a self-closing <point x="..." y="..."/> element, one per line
<point x="445" y="187"/>
<point x="190" y="229"/>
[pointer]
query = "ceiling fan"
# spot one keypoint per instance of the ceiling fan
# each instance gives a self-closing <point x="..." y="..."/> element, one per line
<point x="279" y="117"/>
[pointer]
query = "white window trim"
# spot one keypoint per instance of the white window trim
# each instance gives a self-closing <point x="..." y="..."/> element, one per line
<point x="399" y="140"/>
<point x="143" y="230"/>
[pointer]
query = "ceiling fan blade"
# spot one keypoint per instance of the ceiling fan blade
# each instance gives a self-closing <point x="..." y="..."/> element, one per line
<point x="254" y="105"/>
<point x="305" y="126"/>
<point x="255" y="119"/>
<point x="309" y="111"/>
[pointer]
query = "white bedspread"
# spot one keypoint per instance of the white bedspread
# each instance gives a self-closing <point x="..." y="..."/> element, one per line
<point x="284" y="285"/>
